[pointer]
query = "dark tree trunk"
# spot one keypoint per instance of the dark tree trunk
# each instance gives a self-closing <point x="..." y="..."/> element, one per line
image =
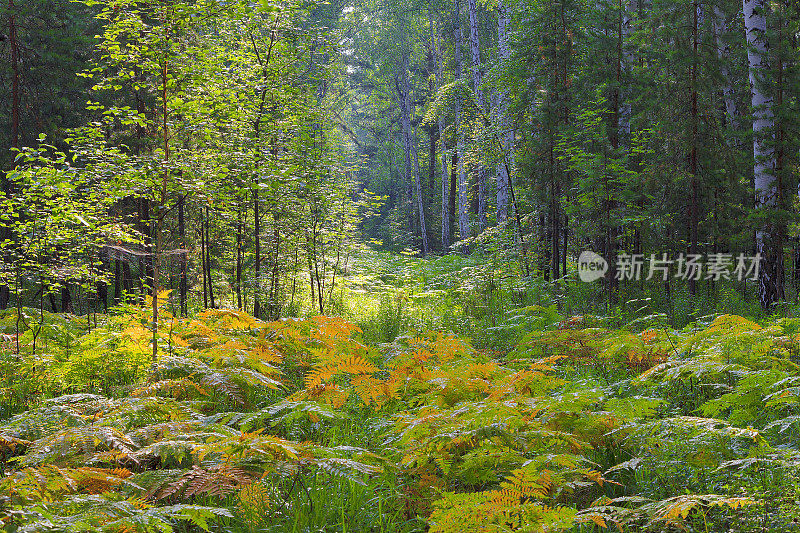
<point x="102" y="294"/>
<point x="694" y="208"/>
<point x="310" y="273"/>
<point x="66" y="299"/>
<point x="5" y="233"/>
<point x="117" y="281"/>
<point x="144" y="221"/>
<point x="544" y="240"/>
<point x="183" y="283"/>
<point x="432" y="160"/>
<point x="208" y="263"/>
<point x="564" y="247"/>
<point x="275" y="277"/>
<point x="15" y="85"/>
<point x="127" y="280"/>
<point x="452" y="197"/>
<point x="257" y="231"/>
<point x="203" y="261"/>
<point x="239" y="225"/>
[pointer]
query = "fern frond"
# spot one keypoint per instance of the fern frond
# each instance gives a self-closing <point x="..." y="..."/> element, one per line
<point x="673" y="511"/>
<point x="285" y="413"/>
<point x="48" y="482"/>
<point x="109" y="512"/>
<point x="175" y="388"/>
<point x="224" y="384"/>
<point x="346" y="468"/>
<point x="218" y="481"/>
<point x="75" y="445"/>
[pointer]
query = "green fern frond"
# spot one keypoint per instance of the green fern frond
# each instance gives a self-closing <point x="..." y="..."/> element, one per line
<point x="72" y="446"/>
<point x="218" y="481"/>
<point x="89" y="514"/>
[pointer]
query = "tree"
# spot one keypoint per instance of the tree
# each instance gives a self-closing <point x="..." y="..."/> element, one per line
<point x="480" y="102"/>
<point x="768" y="235"/>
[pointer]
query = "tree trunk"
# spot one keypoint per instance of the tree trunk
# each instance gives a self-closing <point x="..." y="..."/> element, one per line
<point x="506" y="165"/>
<point x="5" y="232"/>
<point x="239" y="226"/>
<point x="203" y="261"/>
<point x="101" y="289"/>
<point x="15" y="85"/>
<point x="410" y="146"/>
<point x="694" y="203"/>
<point x="144" y="224"/>
<point x="627" y="8"/>
<point x="480" y="101"/>
<point x="183" y="287"/>
<point x="208" y="262"/>
<point x="463" y="187"/>
<point x="158" y="218"/>
<point x="117" y="282"/>
<point x="768" y="244"/>
<point x="446" y="212"/>
<point x="127" y="280"/>
<point x="257" y="231"/>
<point x="310" y="272"/>
<point x="263" y="63"/>
<point x="275" y="277"/>
<point x="418" y="183"/>
<point x="454" y="168"/>
<point x="724" y="56"/>
<point x="66" y="299"/>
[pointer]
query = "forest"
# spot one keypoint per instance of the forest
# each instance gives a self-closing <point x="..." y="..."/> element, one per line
<point x="399" y="266"/>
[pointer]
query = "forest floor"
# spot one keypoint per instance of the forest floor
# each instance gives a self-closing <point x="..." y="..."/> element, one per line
<point x="438" y="396"/>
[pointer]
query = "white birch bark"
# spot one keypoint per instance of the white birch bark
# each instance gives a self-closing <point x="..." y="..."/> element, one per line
<point x="480" y="101"/>
<point x="463" y="191"/>
<point x="755" y="23"/>
<point x="505" y="165"/>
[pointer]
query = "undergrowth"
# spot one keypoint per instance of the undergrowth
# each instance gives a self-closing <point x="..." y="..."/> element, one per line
<point x="308" y="425"/>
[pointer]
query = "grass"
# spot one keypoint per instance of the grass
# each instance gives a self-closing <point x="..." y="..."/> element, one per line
<point x="679" y="413"/>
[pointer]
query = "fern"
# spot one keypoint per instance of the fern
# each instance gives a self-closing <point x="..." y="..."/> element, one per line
<point x="217" y="481"/>
<point x="282" y="414"/>
<point x="49" y="482"/>
<point x="72" y="446"/>
<point x="110" y="513"/>
<point x="674" y="511"/>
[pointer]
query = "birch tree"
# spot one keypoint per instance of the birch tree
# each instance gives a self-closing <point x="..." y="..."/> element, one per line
<point x="768" y="242"/>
